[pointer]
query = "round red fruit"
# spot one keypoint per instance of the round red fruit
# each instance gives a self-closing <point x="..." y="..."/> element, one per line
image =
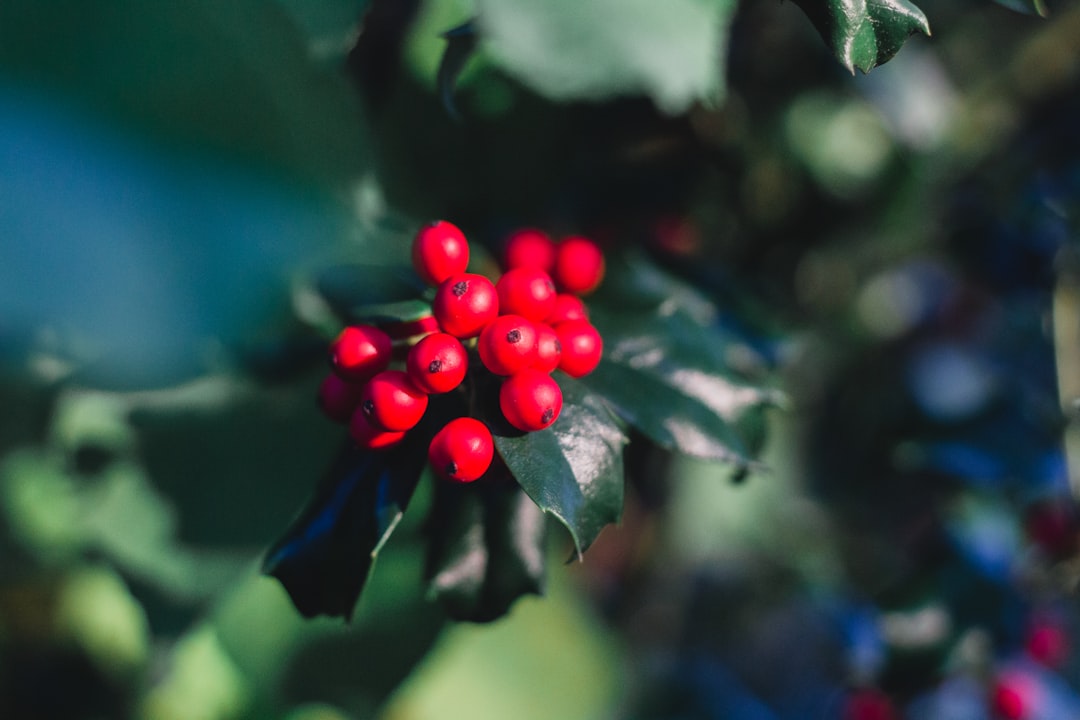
<point x="338" y="398"/>
<point x="462" y="450"/>
<point x="368" y="436"/>
<point x="437" y="363"/>
<point x="530" y="400"/>
<point x="526" y="291"/>
<point x="567" y="307"/>
<point x="548" y="348"/>
<point x="391" y="401"/>
<point x="579" y="265"/>
<point x="464" y="304"/>
<point x="581" y="347"/>
<point x="439" y="250"/>
<point x="529" y="247"/>
<point x="507" y="344"/>
<point x="359" y="352"/>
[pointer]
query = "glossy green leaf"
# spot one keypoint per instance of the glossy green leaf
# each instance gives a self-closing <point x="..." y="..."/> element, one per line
<point x="666" y="363"/>
<point x="573" y="469"/>
<point x="486" y="547"/>
<point x="671" y="51"/>
<point x="865" y="33"/>
<point x="324" y="558"/>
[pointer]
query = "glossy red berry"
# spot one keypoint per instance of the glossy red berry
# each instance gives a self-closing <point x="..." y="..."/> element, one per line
<point x="464" y="304"/>
<point x="339" y="398"/>
<point x="581" y="347"/>
<point x="359" y="352"/>
<point x="529" y="247"/>
<point x="507" y="344"/>
<point x="530" y="400"/>
<point x="548" y="348"/>
<point x="437" y="363"/>
<point x="439" y="250"/>
<point x="579" y="265"/>
<point x="526" y="291"/>
<point x="567" y="307"/>
<point x="462" y="450"/>
<point x="391" y="401"/>
<point x="368" y="436"/>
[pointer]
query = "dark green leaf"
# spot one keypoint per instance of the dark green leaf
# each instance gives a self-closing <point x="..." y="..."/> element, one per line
<point x="324" y="558"/>
<point x="372" y="293"/>
<point x="865" y="33"/>
<point x="460" y="45"/>
<point x="1038" y="7"/>
<point x="671" y="51"/>
<point x="486" y="547"/>
<point x="666" y="363"/>
<point x="573" y="469"/>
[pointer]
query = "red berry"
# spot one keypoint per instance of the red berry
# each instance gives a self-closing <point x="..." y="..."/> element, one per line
<point x="464" y="304"/>
<point x="567" y="307"/>
<point x="526" y="291"/>
<point x="869" y="704"/>
<point x="507" y="344"/>
<point x="392" y="402"/>
<point x="529" y="247"/>
<point x="339" y="398"/>
<point x="548" y="348"/>
<point x="579" y="265"/>
<point x="462" y="450"/>
<point x="359" y="352"/>
<point x="368" y="436"/>
<point x="530" y="400"/>
<point x="437" y="363"/>
<point x="439" y="250"/>
<point x="1015" y="695"/>
<point x="581" y="347"/>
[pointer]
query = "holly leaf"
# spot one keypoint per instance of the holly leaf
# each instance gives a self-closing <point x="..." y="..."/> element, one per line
<point x="665" y="368"/>
<point x="485" y="547"/>
<point x="574" y="468"/>
<point x="671" y="51"/>
<point x="324" y="558"/>
<point x="865" y="33"/>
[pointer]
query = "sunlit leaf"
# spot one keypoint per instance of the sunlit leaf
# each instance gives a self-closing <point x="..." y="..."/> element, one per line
<point x="574" y="468"/>
<point x="569" y="50"/>
<point x="865" y="33"/>
<point x="666" y="364"/>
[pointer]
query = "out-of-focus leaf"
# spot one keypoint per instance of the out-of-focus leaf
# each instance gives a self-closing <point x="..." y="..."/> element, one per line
<point x="1038" y="7"/>
<point x="372" y="293"/>
<point x="460" y="45"/>
<point x="665" y="364"/>
<point x="324" y="558"/>
<point x="865" y="33"/>
<point x="569" y="50"/>
<point x="235" y="76"/>
<point x="486" y="547"/>
<point x="574" y="468"/>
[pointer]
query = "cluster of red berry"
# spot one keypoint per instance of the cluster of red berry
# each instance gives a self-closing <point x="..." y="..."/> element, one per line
<point x="525" y="325"/>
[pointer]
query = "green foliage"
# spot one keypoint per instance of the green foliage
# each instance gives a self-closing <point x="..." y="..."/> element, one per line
<point x="569" y="50"/>
<point x="573" y="469"/>
<point x="865" y="33"/>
